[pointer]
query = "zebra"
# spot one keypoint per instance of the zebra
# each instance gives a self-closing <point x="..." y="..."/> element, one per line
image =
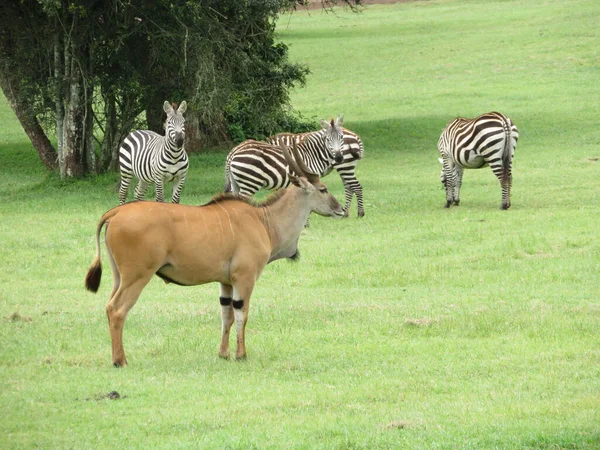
<point x="153" y="158"/>
<point x="489" y="139"/>
<point x="251" y="165"/>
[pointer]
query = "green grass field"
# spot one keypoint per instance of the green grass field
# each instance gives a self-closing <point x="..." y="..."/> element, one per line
<point x="414" y="327"/>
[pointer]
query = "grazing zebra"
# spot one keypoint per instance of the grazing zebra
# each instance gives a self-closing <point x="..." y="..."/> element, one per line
<point x="489" y="139"/>
<point x="153" y="158"/>
<point x="252" y="165"/>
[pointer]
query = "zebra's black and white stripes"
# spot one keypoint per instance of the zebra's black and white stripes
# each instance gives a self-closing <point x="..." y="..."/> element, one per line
<point x="253" y="165"/>
<point x="153" y="158"/>
<point x="489" y="139"/>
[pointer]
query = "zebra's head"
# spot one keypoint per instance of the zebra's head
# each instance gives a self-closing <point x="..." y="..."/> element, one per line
<point x="334" y="138"/>
<point x="175" y="124"/>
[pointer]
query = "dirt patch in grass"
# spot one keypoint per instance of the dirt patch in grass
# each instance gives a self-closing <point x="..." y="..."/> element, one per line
<point x="422" y="322"/>
<point x="113" y="395"/>
<point x="398" y="425"/>
<point x="17" y="317"/>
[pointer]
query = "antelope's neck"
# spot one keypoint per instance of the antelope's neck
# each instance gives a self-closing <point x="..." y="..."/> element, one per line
<point x="285" y="220"/>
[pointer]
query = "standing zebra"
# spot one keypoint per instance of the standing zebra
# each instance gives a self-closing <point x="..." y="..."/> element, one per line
<point x="153" y="158"/>
<point x="253" y="165"/>
<point x="489" y="139"/>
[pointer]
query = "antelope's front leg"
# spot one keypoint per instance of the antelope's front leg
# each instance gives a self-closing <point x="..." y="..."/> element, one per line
<point x="226" y="291"/>
<point x="241" y="305"/>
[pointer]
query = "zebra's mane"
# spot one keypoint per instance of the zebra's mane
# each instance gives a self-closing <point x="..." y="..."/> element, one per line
<point x="228" y="196"/>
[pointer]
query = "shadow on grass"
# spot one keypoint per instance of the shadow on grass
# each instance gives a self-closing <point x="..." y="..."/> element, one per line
<point x="407" y="143"/>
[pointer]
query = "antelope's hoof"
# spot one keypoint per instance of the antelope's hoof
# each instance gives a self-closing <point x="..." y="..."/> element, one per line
<point x="119" y="365"/>
<point x="224" y="355"/>
<point x="240" y="358"/>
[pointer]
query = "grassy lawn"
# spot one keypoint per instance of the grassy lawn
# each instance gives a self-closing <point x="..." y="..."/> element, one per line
<point x="414" y="327"/>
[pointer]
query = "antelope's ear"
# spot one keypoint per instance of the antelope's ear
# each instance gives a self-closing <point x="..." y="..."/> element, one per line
<point x="339" y="121"/>
<point x="182" y="107"/>
<point x="300" y="182"/>
<point x="324" y="124"/>
<point x="294" y="179"/>
<point x="305" y="185"/>
<point x="167" y="107"/>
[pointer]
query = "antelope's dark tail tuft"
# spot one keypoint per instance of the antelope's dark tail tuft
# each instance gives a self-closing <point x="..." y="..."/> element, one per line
<point x="92" y="279"/>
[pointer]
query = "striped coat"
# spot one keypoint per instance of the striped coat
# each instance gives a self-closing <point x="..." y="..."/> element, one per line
<point x="253" y="165"/>
<point x="156" y="159"/>
<point x="489" y="139"/>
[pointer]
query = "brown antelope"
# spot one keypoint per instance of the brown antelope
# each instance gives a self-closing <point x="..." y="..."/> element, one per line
<point x="229" y="240"/>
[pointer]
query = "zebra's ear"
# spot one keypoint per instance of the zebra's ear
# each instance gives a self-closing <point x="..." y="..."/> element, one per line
<point x="167" y="107"/>
<point x="325" y="124"/>
<point x="182" y="107"/>
<point x="339" y="121"/>
<point x="441" y="161"/>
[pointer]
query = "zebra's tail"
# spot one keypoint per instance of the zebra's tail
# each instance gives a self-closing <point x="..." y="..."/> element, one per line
<point x="507" y="153"/>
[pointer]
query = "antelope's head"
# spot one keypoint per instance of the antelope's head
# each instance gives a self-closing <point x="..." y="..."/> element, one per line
<point x="319" y="198"/>
<point x="334" y="138"/>
<point x="175" y="124"/>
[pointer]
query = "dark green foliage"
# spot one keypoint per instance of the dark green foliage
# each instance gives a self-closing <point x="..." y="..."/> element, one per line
<point x="112" y="60"/>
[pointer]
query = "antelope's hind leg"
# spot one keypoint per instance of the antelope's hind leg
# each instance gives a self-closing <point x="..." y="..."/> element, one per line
<point x="225" y="298"/>
<point x="117" y="309"/>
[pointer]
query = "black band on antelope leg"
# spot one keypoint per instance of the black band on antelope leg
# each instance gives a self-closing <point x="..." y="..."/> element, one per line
<point x="225" y="301"/>
<point x="238" y="304"/>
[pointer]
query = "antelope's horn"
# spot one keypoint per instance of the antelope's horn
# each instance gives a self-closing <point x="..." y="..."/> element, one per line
<point x="313" y="178"/>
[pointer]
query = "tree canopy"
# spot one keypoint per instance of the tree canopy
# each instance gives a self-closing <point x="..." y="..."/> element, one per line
<point x="83" y="71"/>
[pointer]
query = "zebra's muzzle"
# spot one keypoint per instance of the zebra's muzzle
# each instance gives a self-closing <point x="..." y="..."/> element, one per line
<point x="179" y="140"/>
<point x="338" y="157"/>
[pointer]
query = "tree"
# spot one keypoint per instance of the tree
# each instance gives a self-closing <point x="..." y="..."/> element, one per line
<point x="89" y="69"/>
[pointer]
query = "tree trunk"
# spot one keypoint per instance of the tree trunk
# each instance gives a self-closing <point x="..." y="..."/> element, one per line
<point x="76" y="154"/>
<point x="110" y="130"/>
<point x="29" y="122"/>
<point x="193" y="136"/>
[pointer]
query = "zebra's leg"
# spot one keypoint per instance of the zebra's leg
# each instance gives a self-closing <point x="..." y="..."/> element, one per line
<point x="124" y="187"/>
<point x="506" y="183"/>
<point x="505" y="178"/>
<point x="458" y="185"/>
<point x="351" y="187"/>
<point x="140" y="190"/>
<point x="449" y="185"/>
<point x="177" y="186"/>
<point x="160" y="190"/>
<point x="348" y="192"/>
<point x="358" y="190"/>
